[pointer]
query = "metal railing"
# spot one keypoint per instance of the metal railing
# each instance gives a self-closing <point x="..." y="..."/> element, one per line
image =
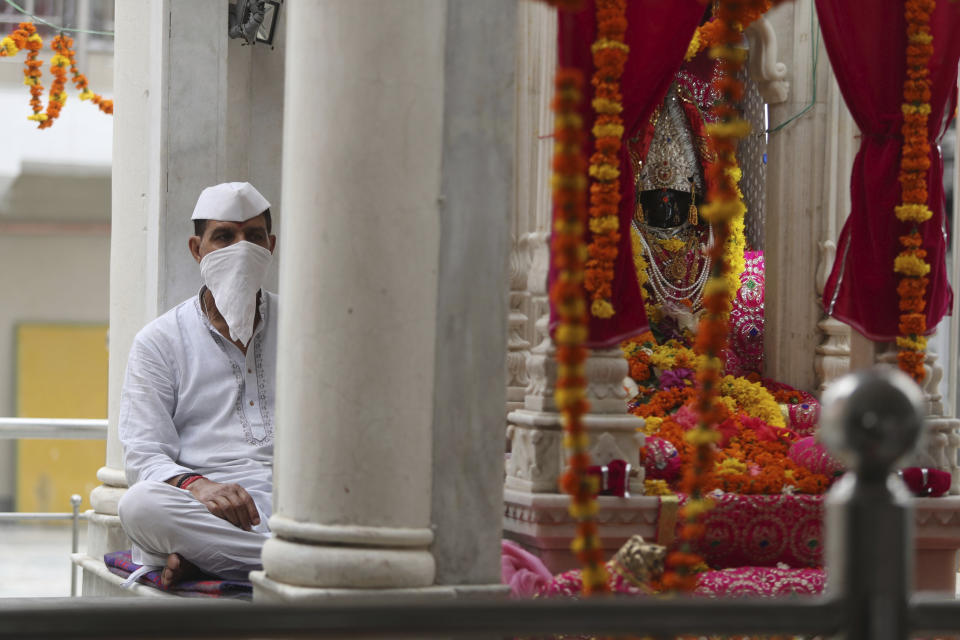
<point x="871" y="418"/>
<point x="54" y="429"/>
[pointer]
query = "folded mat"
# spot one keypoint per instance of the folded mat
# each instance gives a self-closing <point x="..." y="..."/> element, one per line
<point x="119" y="563"/>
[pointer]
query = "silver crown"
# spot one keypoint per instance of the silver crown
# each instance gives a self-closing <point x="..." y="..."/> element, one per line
<point x="672" y="160"/>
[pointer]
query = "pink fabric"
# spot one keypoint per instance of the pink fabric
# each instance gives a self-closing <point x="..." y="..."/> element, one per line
<point x="866" y="48"/>
<point x="660" y="459"/>
<point x="761" y="581"/>
<point x="745" y="354"/>
<point x="524" y="572"/>
<point x="809" y="453"/>
<point x="802" y="417"/>
<point x="658" y="32"/>
<point x="761" y="530"/>
<point x="739" y="581"/>
<point x="569" y="584"/>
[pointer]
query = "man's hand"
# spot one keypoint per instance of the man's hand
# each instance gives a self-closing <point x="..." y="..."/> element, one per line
<point x="228" y="501"/>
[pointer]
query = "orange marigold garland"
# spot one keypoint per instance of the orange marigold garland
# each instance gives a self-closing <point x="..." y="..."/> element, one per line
<point x="80" y="82"/>
<point x="12" y="44"/>
<point x="712" y="32"/>
<point x="569" y="299"/>
<point x="723" y="205"/>
<point x="58" y="67"/>
<point x="910" y="263"/>
<point x="609" y="57"/>
<point x="26" y="37"/>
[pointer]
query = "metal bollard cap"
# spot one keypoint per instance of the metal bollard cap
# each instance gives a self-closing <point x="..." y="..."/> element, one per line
<point x="871" y="419"/>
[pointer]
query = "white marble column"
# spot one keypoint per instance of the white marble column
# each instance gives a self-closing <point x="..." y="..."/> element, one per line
<point x="172" y="94"/>
<point x="478" y="184"/>
<point x="797" y="178"/>
<point x="363" y="136"/>
<point x="535" y="66"/>
<point x="833" y="354"/>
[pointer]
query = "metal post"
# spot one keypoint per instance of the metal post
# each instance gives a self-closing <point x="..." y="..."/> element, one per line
<point x="871" y="419"/>
<point x="75" y="542"/>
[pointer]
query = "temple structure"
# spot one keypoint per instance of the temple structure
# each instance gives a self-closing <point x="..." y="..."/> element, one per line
<point x="408" y="164"/>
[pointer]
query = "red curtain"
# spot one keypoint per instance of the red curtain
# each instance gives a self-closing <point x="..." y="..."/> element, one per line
<point x="658" y="32"/>
<point x="866" y="45"/>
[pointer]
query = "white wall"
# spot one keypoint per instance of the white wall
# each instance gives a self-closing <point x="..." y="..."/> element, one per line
<point x="44" y="278"/>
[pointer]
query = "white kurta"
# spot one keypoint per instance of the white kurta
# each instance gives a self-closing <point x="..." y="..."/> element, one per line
<point x="192" y="402"/>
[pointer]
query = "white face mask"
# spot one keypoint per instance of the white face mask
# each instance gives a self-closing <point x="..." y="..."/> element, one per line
<point x="234" y="275"/>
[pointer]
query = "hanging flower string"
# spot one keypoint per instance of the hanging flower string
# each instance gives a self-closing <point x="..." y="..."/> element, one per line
<point x="25" y="37"/>
<point x="724" y="205"/>
<point x="609" y="57"/>
<point x="710" y="33"/>
<point x="910" y="263"/>
<point x="80" y="82"/>
<point x="58" y="67"/>
<point x="569" y="299"/>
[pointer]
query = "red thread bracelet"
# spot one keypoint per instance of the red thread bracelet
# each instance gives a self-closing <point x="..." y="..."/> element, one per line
<point x="189" y="481"/>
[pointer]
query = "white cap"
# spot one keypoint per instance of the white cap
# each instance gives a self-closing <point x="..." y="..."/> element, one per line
<point x="230" y="202"/>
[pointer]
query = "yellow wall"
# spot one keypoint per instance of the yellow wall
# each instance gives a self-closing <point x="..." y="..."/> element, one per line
<point x="61" y="373"/>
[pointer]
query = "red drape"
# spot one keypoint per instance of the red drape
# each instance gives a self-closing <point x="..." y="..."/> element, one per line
<point x="658" y="32"/>
<point x="866" y="45"/>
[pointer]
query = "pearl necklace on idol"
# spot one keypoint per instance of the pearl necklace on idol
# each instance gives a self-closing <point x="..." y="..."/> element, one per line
<point x="663" y="289"/>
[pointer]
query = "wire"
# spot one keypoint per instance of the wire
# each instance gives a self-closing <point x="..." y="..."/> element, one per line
<point x="50" y="24"/>
<point x="815" y="56"/>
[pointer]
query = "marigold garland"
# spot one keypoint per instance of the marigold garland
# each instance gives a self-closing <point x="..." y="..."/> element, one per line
<point x="723" y="206"/>
<point x="910" y="263"/>
<point x="713" y="32"/>
<point x="26" y="37"/>
<point x="58" y="67"/>
<point x="609" y="56"/>
<point x="80" y="82"/>
<point x="751" y="442"/>
<point x="569" y="299"/>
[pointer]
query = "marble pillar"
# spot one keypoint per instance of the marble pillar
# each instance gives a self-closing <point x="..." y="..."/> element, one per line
<point x="833" y="354"/>
<point x="173" y="93"/>
<point x="362" y="157"/>
<point x="478" y="189"/>
<point x="535" y="65"/>
<point x="796" y="176"/>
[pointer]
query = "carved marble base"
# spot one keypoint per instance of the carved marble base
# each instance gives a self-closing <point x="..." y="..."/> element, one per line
<point x="937" y="531"/>
<point x="833" y="354"/>
<point x="542" y="523"/>
<point x="268" y="591"/>
<point x="537" y="458"/>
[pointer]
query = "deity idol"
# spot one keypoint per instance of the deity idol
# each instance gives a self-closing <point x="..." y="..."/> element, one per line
<point x="762" y="419"/>
<point x="668" y="157"/>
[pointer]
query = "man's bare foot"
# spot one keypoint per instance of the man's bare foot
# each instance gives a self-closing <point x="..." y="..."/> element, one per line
<point x="177" y="569"/>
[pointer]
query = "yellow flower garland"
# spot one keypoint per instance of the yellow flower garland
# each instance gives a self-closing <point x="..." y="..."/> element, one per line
<point x="753" y="399"/>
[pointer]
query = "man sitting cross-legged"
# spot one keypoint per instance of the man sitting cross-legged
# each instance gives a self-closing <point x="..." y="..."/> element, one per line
<point x="196" y="410"/>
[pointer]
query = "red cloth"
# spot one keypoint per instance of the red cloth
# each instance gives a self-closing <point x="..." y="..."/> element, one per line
<point x="927" y="483"/>
<point x="658" y="32"/>
<point x="867" y="50"/>
<point x="762" y="530"/>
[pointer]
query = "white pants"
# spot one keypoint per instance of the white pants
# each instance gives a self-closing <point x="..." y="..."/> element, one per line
<point x="161" y="519"/>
